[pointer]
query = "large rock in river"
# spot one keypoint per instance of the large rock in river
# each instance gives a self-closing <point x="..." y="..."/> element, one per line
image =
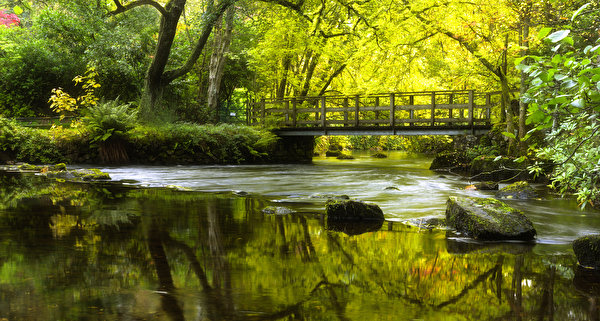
<point x="587" y="251"/>
<point x="352" y="210"/>
<point x="488" y="219"/>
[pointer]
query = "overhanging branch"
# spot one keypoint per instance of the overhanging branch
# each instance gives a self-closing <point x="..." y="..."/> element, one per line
<point x="122" y="8"/>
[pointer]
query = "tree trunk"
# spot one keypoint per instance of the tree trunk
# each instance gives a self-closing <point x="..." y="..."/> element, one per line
<point x="217" y="61"/>
<point x="154" y="85"/>
<point x="510" y="126"/>
<point x="525" y="20"/>
<point x="287" y="63"/>
<point x="312" y="65"/>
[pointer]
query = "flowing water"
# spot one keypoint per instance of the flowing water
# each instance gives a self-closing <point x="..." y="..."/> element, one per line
<point x="193" y="243"/>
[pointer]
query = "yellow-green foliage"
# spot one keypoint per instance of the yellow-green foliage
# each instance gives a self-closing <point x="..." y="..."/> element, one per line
<point x="63" y="103"/>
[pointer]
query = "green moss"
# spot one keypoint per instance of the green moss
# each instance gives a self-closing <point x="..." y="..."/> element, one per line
<point x="91" y="174"/>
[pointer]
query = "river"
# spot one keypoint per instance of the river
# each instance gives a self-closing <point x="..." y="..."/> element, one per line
<point x="193" y="243"/>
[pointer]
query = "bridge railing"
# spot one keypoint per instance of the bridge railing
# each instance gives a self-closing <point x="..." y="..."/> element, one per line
<point x="412" y="109"/>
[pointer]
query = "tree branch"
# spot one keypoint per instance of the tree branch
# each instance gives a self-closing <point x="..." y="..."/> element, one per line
<point x="209" y="22"/>
<point x="122" y="8"/>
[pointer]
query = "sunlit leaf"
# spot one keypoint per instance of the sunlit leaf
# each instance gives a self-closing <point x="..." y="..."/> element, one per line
<point x="558" y="35"/>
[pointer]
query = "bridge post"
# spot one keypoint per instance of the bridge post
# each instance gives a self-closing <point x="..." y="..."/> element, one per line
<point x="356" y="113"/>
<point x="411" y="102"/>
<point x="376" y="111"/>
<point x="433" y="109"/>
<point x="345" y="105"/>
<point x="392" y="111"/>
<point x="471" y="106"/>
<point x="323" y="113"/>
<point x="450" y="102"/>
<point x="287" y="112"/>
<point x="294" y="112"/>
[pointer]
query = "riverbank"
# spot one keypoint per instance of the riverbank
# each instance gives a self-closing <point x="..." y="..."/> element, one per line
<point x="172" y="144"/>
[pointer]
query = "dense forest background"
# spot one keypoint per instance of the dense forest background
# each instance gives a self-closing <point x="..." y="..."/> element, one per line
<point x="201" y="61"/>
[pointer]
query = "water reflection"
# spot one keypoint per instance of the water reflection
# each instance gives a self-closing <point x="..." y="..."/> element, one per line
<point x="109" y="252"/>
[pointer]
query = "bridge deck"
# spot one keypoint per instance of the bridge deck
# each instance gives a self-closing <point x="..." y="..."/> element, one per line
<point x="414" y="113"/>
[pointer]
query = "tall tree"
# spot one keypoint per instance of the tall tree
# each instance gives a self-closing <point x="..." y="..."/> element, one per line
<point x="222" y="40"/>
<point x="157" y="76"/>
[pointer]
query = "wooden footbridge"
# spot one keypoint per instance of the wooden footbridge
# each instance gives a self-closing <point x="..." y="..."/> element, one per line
<point x="407" y="113"/>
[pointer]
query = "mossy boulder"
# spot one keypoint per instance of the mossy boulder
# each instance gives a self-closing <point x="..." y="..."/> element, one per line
<point x="488" y="219"/>
<point x="587" y="251"/>
<point x="449" y="160"/>
<point x="379" y="155"/>
<point x="519" y="190"/>
<point x="340" y="210"/>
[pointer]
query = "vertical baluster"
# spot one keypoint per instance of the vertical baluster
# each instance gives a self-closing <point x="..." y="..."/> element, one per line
<point x="323" y="113"/>
<point x="356" y="113"/>
<point x="471" y="107"/>
<point x="433" y="109"/>
<point x="411" y="102"/>
<point x="392" y="110"/>
<point x="345" y="105"/>
<point x="294" y="112"/>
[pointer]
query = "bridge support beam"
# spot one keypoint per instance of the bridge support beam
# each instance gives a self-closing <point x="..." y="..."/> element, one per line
<point x="293" y="149"/>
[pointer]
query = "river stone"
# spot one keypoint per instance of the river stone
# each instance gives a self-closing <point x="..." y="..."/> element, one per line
<point x="277" y="210"/>
<point x="352" y="210"/>
<point x="449" y="160"/>
<point x="488" y="219"/>
<point x="587" y="251"/>
<point x="519" y="190"/>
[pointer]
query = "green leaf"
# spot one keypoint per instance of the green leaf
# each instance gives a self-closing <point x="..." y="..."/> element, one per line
<point x="17" y="10"/>
<point x="558" y="35"/>
<point x="520" y="159"/>
<point x="578" y="11"/>
<point x="509" y="135"/>
<point x="543" y="33"/>
<point x="569" y="40"/>
<point x="579" y="103"/>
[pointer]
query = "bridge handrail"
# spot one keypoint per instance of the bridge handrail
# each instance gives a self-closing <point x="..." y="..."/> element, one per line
<point x="391" y="109"/>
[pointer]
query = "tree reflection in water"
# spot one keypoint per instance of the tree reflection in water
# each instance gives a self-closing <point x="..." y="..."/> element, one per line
<point x="72" y="251"/>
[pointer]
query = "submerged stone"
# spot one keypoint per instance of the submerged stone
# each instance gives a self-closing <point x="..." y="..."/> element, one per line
<point x="488" y="219"/>
<point x="345" y="156"/>
<point x="330" y="196"/>
<point x="519" y="190"/>
<point x="483" y="186"/>
<point x="277" y="210"/>
<point x="587" y="251"/>
<point x="352" y="210"/>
